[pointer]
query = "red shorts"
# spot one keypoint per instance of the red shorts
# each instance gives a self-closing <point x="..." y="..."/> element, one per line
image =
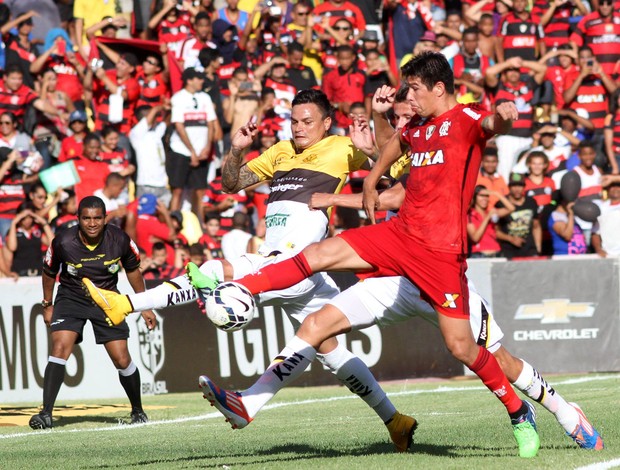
<point x="440" y="276"/>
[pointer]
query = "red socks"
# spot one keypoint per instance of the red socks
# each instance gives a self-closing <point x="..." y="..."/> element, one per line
<point x="278" y="275"/>
<point x="486" y="367"/>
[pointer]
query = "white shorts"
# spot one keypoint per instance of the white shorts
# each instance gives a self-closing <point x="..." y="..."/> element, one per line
<point x="388" y="300"/>
<point x="297" y="301"/>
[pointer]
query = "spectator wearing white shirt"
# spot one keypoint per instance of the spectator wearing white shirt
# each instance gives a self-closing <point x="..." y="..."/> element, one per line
<point x="146" y="138"/>
<point x="235" y="242"/>
<point x="191" y="142"/>
<point x="606" y="229"/>
<point x="112" y="196"/>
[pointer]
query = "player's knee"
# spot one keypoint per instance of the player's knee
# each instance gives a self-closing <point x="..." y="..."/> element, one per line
<point x="122" y="361"/>
<point x="462" y="350"/>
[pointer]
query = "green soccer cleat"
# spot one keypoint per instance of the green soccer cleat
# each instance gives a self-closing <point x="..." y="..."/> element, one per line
<point x="115" y="306"/>
<point x="401" y="428"/>
<point x="524" y="428"/>
<point x="203" y="283"/>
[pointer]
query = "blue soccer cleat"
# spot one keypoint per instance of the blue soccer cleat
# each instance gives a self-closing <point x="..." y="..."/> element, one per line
<point x="584" y="434"/>
<point x="230" y="404"/>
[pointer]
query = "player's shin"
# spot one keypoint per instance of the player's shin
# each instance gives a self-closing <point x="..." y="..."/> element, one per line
<point x="176" y="291"/>
<point x="283" y="370"/>
<point x="355" y="375"/>
<point x="278" y="276"/>
<point x="487" y="368"/>
<point x="536" y="387"/>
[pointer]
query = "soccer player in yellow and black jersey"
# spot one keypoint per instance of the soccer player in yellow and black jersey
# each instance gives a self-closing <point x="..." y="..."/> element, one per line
<point x="95" y="250"/>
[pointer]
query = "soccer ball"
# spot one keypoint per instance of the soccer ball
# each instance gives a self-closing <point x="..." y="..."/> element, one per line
<point x="230" y="306"/>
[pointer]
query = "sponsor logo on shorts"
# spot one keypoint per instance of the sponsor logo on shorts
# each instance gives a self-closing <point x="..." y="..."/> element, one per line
<point x="450" y="300"/>
<point x="57" y="322"/>
<point x="276" y="220"/>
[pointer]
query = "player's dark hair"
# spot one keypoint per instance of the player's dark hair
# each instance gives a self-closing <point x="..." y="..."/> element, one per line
<point x="316" y="97"/>
<point x="401" y="94"/>
<point x="431" y="68"/>
<point x="208" y="55"/>
<point x="91" y="202"/>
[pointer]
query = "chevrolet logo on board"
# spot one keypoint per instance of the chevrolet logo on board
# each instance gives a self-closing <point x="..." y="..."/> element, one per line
<point x="555" y="311"/>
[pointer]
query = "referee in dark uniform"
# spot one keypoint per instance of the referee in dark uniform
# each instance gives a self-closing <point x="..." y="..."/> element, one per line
<point x="95" y="250"/>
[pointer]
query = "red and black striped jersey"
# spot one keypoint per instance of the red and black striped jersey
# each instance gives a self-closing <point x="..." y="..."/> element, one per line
<point x="16" y="102"/>
<point x="521" y="94"/>
<point x="174" y="33"/>
<point x="12" y="194"/>
<point x="591" y="97"/>
<point x="101" y="97"/>
<point x="603" y="37"/>
<point x="557" y="30"/>
<point x="152" y="91"/>
<point x="520" y="36"/>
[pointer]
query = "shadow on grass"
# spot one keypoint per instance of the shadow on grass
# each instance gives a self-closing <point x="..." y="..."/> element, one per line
<point x="294" y="452"/>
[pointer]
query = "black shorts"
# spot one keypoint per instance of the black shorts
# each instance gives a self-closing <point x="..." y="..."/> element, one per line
<point x="72" y="314"/>
<point x="182" y="175"/>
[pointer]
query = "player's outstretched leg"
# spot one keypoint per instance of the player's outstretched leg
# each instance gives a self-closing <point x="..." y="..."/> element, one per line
<point x="569" y="415"/>
<point x="115" y="306"/>
<point x="401" y="428"/>
<point x="526" y="434"/>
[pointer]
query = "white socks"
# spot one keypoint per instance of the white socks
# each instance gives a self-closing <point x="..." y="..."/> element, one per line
<point x="536" y="387"/>
<point x="284" y="369"/>
<point x="356" y="376"/>
<point x="174" y="292"/>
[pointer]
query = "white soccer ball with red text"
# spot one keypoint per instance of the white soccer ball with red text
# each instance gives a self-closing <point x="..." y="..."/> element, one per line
<point x="230" y="306"/>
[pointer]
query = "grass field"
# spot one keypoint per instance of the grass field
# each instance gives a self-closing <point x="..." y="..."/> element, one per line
<point x="461" y="426"/>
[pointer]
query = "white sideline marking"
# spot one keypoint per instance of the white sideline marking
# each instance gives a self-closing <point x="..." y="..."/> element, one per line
<point x="601" y="465"/>
<point x="442" y="389"/>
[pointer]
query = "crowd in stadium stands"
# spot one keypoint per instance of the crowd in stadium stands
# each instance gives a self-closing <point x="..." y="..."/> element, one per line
<point x="135" y="102"/>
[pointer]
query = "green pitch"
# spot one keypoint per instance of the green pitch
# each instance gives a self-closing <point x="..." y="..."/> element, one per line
<point x="462" y="426"/>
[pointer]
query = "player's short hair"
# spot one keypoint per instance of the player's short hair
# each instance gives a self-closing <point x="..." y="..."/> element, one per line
<point x="431" y="68"/>
<point x="316" y="97"/>
<point x="91" y="202"/>
<point x="586" y="144"/>
<point x="114" y="178"/>
<point x="107" y="130"/>
<point x="401" y="94"/>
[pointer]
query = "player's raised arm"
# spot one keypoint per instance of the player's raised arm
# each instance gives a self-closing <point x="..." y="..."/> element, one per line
<point x="389" y="154"/>
<point x="501" y="121"/>
<point x="235" y="175"/>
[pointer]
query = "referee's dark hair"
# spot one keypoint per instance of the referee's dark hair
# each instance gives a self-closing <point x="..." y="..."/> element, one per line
<point x="91" y="202"/>
<point x="315" y="97"/>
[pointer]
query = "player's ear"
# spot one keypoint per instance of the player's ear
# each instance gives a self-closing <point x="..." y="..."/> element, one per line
<point x="327" y="123"/>
<point x="439" y="89"/>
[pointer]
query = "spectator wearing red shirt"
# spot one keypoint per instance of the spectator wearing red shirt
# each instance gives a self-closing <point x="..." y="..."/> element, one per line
<point x="481" y="221"/>
<point x="172" y="25"/>
<point x="470" y="65"/>
<point x="537" y="185"/>
<point x="16" y="97"/>
<point x="555" y="18"/>
<point x="90" y="168"/>
<point x="344" y="86"/>
<point x="565" y="58"/>
<point x="211" y="239"/>
<point x="600" y="30"/>
<point x="59" y="57"/>
<point x="71" y="146"/>
<point x="153" y="80"/>
<point x="20" y="50"/>
<point x="154" y="224"/>
<point x="612" y="132"/>
<point x="203" y="31"/>
<point x="338" y="9"/>
<point x="512" y="86"/>
<point x="520" y="35"/>
<point x="119" y="81"/>
<point x="115" y="156"/>
<point x="587" y="91"/>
